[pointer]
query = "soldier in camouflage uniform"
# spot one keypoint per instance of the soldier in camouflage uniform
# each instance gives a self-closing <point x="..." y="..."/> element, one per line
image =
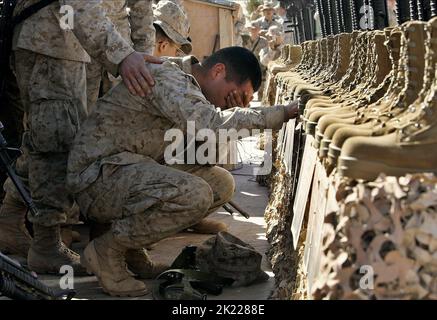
<point x="172" y="30"/>
<point x="273" y="50"/>
<point x="49" y="64"/>
<point x="268" y="19"/>
<point x="255" y="43"/>
<point x="135" y="27"/>
<point x="117" y="164"/>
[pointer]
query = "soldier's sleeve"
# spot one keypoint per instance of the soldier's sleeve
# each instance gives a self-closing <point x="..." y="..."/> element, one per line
<point x="141" y="22"/>
<point x="97" y="34"/>
<point x="265" y="56"/>
<point x="179" y="100"/>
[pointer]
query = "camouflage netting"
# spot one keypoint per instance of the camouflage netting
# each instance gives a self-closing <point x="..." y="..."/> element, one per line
<point x="279" y="217"/>
<point x="389" y="225"/>
<point x="381" y="244"/>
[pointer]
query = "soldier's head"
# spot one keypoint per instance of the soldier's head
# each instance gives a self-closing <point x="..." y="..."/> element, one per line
<point x="268" y="10"/>
<point x="274" y="35"/>
<point x="172" y="28"/>
<point x="229" y="69"/>
<point x="253" y="29"/>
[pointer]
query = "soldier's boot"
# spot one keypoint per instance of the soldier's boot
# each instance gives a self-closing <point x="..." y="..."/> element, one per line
<point x="322" y="136"/>
<point x="69" y="236"/>
<point x="364" y="128"/>
<point x="139" y="262"/>
<point x="47" y="253"/>
<point x="14" y="237"/>
<point x="209" y="226"/>
<point x="410" y="97"/>
<point x="343" y="133"/>
<point x="105" y="258"/>
<point x="312" y="122"/>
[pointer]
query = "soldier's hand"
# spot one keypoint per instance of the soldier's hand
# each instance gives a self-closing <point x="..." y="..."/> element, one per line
<point x="291" y="111"/>
<point x="135" y="74"/>
<point x="238" y="99"/>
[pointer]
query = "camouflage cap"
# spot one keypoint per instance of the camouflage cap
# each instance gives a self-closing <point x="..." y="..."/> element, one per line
<point x="227" y="256"/>
<point x="274" y="31"/>
<point x="174" y="22"/>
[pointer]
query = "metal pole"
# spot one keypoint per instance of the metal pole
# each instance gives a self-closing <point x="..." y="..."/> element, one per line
<point x="413" y="10"/>
<point x="433" y="4"/>
<point x="402" y="11"/>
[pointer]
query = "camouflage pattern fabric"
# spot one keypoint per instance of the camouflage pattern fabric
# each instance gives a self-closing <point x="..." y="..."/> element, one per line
<point x="227" y="256"/>
<point x="147" y="202"/>
<point x="115" y="131"/>
<point x="136" y="28"/>
<point x="93" y="34"/>
<point x="54" y="100"/>
<point x="255" y="45"/>
<point x="389" y="226"/>
<point x="268" y="55"/>
<point x="265" y="25"/>
<point x="116" y="166"/>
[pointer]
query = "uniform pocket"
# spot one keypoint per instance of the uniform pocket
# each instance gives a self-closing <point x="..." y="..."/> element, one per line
<point x="53" y="125"/>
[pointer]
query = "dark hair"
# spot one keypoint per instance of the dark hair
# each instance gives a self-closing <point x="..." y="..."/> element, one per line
<point x="241" y="65"/>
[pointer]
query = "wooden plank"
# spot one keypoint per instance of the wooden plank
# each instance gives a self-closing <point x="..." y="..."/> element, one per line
<point x="317" y="232"/>
<point x="204" y="20"/>
<point x="281" y="141"/>
<point x="311" y="219"/>
<point x="288" y="156"/>
<point x="226" y="27"/>
<point x="303" y="187"/>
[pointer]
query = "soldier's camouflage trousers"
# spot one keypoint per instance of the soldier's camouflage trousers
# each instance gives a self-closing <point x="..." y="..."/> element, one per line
<point x="147" y="202"/>
<point x="53" y="94"/>
<point x="11" y="116"/>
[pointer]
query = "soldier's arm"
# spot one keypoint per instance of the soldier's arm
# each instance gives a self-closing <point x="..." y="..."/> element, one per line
<point x="141" y="22"/>
<point x="99" y="37"/>
<point x="179" y="100"/>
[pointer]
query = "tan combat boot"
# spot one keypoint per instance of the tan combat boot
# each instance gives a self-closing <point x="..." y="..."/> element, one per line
<point x="105" y="258"/>
<point x="14" y="237"/>
<point x="381" y="119"/>
<point x="327" y="125"/>
<point x="363" y="124"/>
<point x="139" y="262"/>
<point x="47" y="253"/>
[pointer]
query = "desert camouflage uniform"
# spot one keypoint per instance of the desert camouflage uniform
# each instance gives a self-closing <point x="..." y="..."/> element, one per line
<point x="265" y="25"/>
<point x="116" y="165"/>
<point x="268" y="54"/>
<point x="49" y="63"/>
<point x="136" y="28"/>
<point x="256" y="46"/>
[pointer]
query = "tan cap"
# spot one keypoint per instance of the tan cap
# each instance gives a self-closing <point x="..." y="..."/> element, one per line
<point x="174" y="22"/>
